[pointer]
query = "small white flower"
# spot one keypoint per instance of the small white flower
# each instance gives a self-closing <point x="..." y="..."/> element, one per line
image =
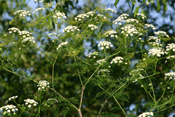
<point x="62" y="44"/>
<point x="71" y="29"/>
<point x="161" y="33"/>
<point x="101" y="61"/>
<point x="39" y="9"/>
<point x="59" y="15"/>
<point x="156" y="52"/>
<point x="111" y="10"/>
<point x="120" y="19"/>
<point x="150" y="26"/>
<point x="92" y="26"/>
<point x="117" y="60"/>
<point x="111" y="33"/>
<point x="146" y="114"/>
<point x="170" y="46"/>
<point x="30" y="102"/>
<point x="12" y="98"/>
<point x="94" y="54"/>
<point x="9" y="109"/>
<point x="130" y="30"/>
<point x="170" y="75"/>
<point x="22" y="13"/>
<point x="141" y="15"/>
<point x="105" y="45"/>
<point x="131" y="20"/>
<point x="42" y="85"/>
<point x="80" y="17"/>
<point x="13" y="29"/>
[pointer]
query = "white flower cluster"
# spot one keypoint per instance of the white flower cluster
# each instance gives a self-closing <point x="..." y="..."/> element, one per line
<point x="22" y="13"/>
<point x="103" y="71"/>
<point x="25" y="35"/>
<point x="62" y="44"/>
<point x="111" y="10"/>
<point x="101" y="61"/>
<point x="59" y="15"/>
<point x="170" y="46"/>
<point x="156" y="41"/>
<point x="100" y="16"/>
<point x="13" y="29"/>
<point x="69" y="29"/>
<point x="111" y="33"/>
<point x="12" y="98"/>
<point x="117" y="59"/>
<point x="92" y="26"/>
<point x="30" y="102"/>
<point x="161" y="33"/>
<point x="39" y="1"/>
<point x="84" y="15"/>
<point x="129" y="30"/>
<point x="156" y="52"/>
<point x="171" y="57"/>
<point x="146" y="114"/>
<point x="131" y="20"/>
<point x="8" y="109"/>
<point x="94" y="54"/>
<point x="38" y="9"/>
<point x="141" y="15"/>
<point x="52" y="99"/>
<point x="150" y="26"/>
<point x="170" y="76"/>
<point x="120" y="19"/>
<point x="105" y="45"/>
<point x="42" y="85"/>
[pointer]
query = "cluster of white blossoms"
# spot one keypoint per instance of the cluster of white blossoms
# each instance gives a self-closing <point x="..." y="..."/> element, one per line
<point x="59" y="15"/>
<point x="131" y="20"/>
<point x="170" y="76"/>
<point x="42" y="85"/>
<point x="130" y="30"/>
<point x="171" y="57"/>
<point x="93" y="55"/>
<point x="150" y="26"/>
<point x="30" y="102"/>
<point x="111" y="33"/>
<point x="8" y="109"/>
<point x="120" y="19"/>
<point x="156" y="41"/>
<point x="12" y="98"/>
<point x="84" y="15"/>
<point x="62" y="44"/>
<point x="13" y="29"/>
<point x="100" y="16"/>
<point x="170" y="46"/>
<point x="92" y="26"/>
<point x="104" y="71"/>
<point x="101" y="61"/>
<point x="22" y="13"/>
<point x="117" y="59"/>
<point x="146" y="114"/>
<point x="69" y="29"/>
<point x="105" y="45"/>
<point x="141" y="15"/>
<point x="156" y="52"/>
<point x="39" y="9"/>
<point x="111" y="10"/>
<point x="39" y="1"/>
<point x="161" y="33"/>
<point x="25" y="35"/>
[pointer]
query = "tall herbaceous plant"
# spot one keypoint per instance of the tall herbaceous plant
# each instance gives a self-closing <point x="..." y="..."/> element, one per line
<point x="92" y="64"/>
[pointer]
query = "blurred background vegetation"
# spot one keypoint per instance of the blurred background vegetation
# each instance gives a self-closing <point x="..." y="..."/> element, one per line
<point x="39" y="66"/>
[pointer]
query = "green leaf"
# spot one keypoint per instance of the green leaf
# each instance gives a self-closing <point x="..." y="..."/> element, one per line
<point x="136" y="11"/>
<point x="116" y="2"/>
<point x="158" y="6"/>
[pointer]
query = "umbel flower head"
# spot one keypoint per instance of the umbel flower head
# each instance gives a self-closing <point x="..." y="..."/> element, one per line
<point x="146" y="114"/>
<point x="105" y="45"/>
<point x="12" y="98"/>
<point x="42" y="85"/>
<point x="8" y="109"/>
<point x="30" y="102"/>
